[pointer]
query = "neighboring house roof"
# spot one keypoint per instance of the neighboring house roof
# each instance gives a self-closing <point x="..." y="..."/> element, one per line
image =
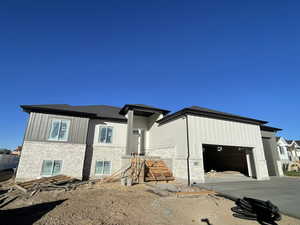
<point x="295" y="143"/>
<point x="298" y="142"/>
<point x="93" y="111"/>
<point x="292" y="143"/>
<point x="282" y="140"/>
<point x="277" y="139"/>
<point x="142" y="109"/>
<point x="196" y="110"/>
<point x="268" y="128"/>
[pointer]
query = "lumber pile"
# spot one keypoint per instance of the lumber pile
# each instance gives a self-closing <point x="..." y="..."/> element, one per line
<point x="29" y="188"/>
<point x="47" y="183"/>
<point x="137" y="170"/>
<point x="7" y="197"/>
<point x="157" y="170"/>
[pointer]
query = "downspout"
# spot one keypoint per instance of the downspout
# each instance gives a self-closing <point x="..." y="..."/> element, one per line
<point x="188" y="149"/>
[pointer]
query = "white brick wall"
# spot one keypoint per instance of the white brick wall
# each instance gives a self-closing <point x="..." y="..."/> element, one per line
<point x="107" y="153"/>
<point x="33" y="154"/>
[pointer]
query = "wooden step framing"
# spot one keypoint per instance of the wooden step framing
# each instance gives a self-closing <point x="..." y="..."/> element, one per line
<point x="157" y="170"/>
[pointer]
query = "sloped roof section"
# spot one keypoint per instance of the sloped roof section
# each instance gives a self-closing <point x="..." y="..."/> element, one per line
<point x="92" y="111"/>
<point x="229" y="115"/>
<point x="142" y="107"/>
<point x="103" y="111"/>
<point x="205" y="112"/>
<point x="268" y="128"/>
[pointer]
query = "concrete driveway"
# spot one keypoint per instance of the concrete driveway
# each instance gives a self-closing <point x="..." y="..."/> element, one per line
<point x="282" y="191"/>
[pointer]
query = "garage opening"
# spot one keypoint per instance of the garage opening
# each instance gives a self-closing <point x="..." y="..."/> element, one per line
<point x="226" y="162"/>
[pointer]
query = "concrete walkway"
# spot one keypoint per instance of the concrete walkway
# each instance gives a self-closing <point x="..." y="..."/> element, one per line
<point x="282" y="191"/>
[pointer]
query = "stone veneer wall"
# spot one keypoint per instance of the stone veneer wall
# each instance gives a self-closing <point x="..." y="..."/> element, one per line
<point x="33" y="154"/>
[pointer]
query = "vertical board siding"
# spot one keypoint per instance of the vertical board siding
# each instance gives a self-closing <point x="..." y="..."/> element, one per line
<point x="212" y="131"/>
<point x="40" y="124"/>
<point x="205" y="130"/>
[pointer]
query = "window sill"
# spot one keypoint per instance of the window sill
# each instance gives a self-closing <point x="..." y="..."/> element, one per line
<point x="57" y="141"/>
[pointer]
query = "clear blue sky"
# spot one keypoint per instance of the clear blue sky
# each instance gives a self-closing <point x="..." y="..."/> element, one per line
<point x="235" y="56"/>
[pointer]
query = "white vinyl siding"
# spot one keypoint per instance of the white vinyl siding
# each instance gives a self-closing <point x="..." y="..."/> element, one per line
<point x="59" y="130"/>
<point x="51" y="167"/>
<point x="105" y="134"/>
<point x="103" y="167"/>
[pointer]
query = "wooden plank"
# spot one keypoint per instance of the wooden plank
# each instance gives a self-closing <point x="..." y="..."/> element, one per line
<point x="8" y="200"/>
<point x="157" y="179"/>
<point x="20" y="188"/>
<point x="59" y="179"/>
<point x="204" y="192"/>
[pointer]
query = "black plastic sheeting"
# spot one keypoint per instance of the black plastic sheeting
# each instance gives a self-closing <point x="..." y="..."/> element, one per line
<point x="254" y="209"/>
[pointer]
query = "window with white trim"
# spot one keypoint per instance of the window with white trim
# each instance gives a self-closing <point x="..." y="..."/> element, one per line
<point x="59" y="130"/>
<point x="105" y="134"/>
<point x="51" y="167"/>
<point x="103" y="167"/>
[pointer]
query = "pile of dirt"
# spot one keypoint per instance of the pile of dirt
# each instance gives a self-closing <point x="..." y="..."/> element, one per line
<point x="112" y="204"/>
<point x="214" y="173"/>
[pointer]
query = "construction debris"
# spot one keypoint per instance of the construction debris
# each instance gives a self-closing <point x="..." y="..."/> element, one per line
<point x="194" y="194"/>
<point x="47" y="183"/>
<point x="29" y="188"/>
<point x="214" y="173"/>
<point x="142" y="169"/>
<point x="138" y="171"/>
<point x="157" y="170"/>
<point x="211" y="173"/>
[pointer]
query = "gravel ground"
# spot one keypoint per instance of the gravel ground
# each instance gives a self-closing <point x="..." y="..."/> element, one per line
<point x="113" y="204"/>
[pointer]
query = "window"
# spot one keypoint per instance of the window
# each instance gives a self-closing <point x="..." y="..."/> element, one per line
<point x="51" y="167"/>
<point x="105" y="134"/>
<point x="281" y="150"/>
<point x="59" y="130"/>
<point x="103" y="168"/>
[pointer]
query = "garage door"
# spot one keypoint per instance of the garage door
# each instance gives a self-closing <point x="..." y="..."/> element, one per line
<point x="224" y="158"/>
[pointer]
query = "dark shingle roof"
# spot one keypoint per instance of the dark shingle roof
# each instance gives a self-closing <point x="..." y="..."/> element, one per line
<point x="142" y="107"/>
<point x="298" y="142"/>
<point x="117" y="113"/>
<point x="93" y="111"/>
<point x="212" y="111"/>
<point x="103" y="111"/>
<point x="201" y="111"/>
<point x="289" y="141"/>
<point x="268" y="128"/>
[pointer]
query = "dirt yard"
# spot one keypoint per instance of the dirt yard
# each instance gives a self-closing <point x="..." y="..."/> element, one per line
<point x="113" y="204"/>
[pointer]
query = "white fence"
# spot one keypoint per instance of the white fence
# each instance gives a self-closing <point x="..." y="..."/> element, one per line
<point x="8" y="161"/>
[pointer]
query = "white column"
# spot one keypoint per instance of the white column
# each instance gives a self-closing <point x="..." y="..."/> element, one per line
<point x="129" y="132"/>
<point x="248" y="158"/>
